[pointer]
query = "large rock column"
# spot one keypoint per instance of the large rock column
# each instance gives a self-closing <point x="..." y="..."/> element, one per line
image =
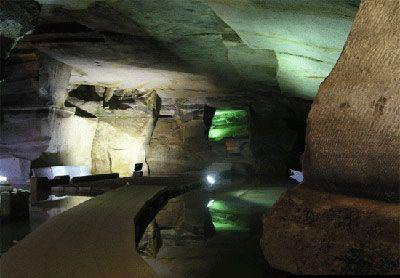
<point x="345" y="219"/>
<point x="353" y="138"/>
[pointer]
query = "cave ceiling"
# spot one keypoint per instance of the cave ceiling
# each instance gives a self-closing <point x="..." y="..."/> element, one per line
<point x="287" y="46"/>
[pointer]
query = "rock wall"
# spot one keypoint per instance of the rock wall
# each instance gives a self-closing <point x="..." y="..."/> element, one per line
<point x="54" y="80"/>
<point x="272" y="142"/>
<point x="70" y="142"/>
<point x="352" y="149"/>
<point x="104" y="145"/>
<point x="177" y="147"/>
<point x="277" y="129"/>
<point x="119" y="143"/>
<point x="16" y="170"/>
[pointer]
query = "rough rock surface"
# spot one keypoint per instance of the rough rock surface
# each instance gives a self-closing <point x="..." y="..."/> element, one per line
<point x="54" y="80"/>
<point x="314" y="232"/>
<point x="63" y="147"/>
<point x="258" y="44"/>
<point x="110" y="44"/>
<point x="353" y="138"/>
<point x="352" y="148"/>
<point x="279" y="31"/>
<point x="187" y="217"/>
<point x="177" y="147"/>
<point x="17" y="18"/>
<point x="272" y="145"/>
<point x="119" y="143"/>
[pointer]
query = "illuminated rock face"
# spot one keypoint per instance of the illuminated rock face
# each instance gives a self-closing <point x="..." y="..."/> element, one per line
<point x="190" y="52"/>
<point x="63" y="147"/>
<point x="104" y="145"/>
<point x="354" y="121"/>
<point x="288" y="46"/>
<point x="352" y="148"/>
<point x="119" y="143"/>
<point x="304" y="38"/>
<point x="177" y="147"/>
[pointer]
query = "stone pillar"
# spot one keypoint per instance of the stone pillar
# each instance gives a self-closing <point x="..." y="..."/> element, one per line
<point x="53" y="81"/>
<point x="353" y="138"/>
<point x="345" y="218"/>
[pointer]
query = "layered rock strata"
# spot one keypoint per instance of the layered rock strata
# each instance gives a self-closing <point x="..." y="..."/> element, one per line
<point x="345" y="219"/>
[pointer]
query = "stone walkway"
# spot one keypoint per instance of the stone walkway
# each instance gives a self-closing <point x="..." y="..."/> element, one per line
<point x="94" y="239"/>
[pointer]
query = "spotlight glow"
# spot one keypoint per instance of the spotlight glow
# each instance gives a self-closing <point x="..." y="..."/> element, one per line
<point x="3" y="179"/>
<point x="211" y="179"/>
<point x="210" y="203"/>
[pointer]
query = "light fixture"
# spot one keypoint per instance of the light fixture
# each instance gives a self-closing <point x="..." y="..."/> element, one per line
<point x="3" y="179"/>
<point x="210" y="179"/>
<point x="210" y="203"/>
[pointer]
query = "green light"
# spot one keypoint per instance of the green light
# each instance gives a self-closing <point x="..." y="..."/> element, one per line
<point x="231" y="210"/>
<point x="228" y="123"/>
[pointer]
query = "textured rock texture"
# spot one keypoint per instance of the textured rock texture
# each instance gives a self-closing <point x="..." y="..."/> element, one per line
<point x="313" y="232"/>
<point x="105" y="144"/>
<point x="17" y="18"/>
<point x="54" y="79"/>
<point x="272" y="145"/>
<point x="181" y="49"/>
<point x="352" y="149"/>
<point x="279" y="31"/>
<point x="277" y="128"/>
<point x="177" y="147"/>
<point x="257" y="44"/>
<point x="119" y="143"/>
<point x="353" y="138"/>
<point x="63" y="147"/>
<point x="185" y="218"/>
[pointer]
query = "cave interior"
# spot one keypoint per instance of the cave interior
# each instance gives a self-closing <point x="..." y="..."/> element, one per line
<point x="277" y="121"/>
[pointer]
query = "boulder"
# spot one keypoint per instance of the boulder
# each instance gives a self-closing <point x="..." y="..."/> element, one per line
<point x="151" y="241"/>
<point x="185" y="218"/>
<point x="315" y="232"/>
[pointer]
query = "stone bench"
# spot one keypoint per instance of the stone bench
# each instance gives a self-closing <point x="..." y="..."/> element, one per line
<point x="42" y="187"/>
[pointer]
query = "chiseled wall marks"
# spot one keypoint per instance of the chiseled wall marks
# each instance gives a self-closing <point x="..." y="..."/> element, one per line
<point x="353" y="137"/>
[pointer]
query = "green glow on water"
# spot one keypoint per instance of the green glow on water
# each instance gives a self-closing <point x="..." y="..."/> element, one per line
<point x="232" y="210"/>
<point x="228" y="123"/>
<point x="221" y="213"/>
